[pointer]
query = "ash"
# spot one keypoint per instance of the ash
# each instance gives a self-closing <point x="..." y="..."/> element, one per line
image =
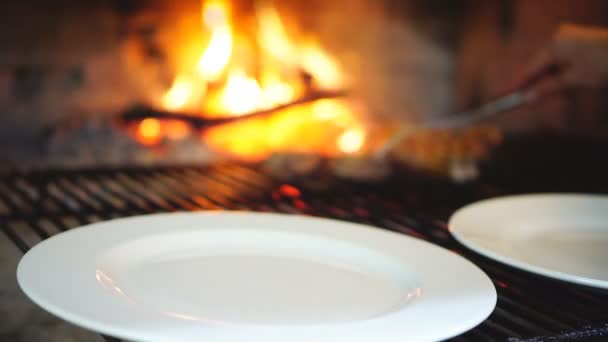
<point x="99" y="141"/>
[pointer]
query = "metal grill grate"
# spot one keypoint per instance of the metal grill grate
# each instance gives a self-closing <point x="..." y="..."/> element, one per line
<point x="38" y="204"/>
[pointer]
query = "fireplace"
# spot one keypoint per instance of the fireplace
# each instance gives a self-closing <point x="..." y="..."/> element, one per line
<point x="158" y="82"/>
<point x="120" y="82"/>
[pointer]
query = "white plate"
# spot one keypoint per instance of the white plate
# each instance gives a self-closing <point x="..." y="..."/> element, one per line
<point x="563" y="236"/>
<point x="244" y="277"/>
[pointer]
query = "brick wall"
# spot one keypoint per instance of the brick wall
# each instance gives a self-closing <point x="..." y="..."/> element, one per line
<point x="57" y="58"/>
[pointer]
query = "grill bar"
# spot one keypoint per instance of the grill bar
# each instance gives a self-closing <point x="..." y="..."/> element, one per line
<point x="36" y="205"/>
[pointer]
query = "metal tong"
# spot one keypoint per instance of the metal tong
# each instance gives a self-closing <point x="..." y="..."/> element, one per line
<point x="505" y="103"/>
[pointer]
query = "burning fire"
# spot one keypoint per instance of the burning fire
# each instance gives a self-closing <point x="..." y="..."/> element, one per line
<point x="214" y="60"/>
<point x="352" y="140"/>
<point x="180" y="93"/>
<point x="242" y="94"/>
<point x="152" y="131"/>
<point x="226" y="84"/>
<point x="149" y="132"/>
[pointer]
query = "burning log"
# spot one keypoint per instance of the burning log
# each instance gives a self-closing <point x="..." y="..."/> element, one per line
<point x="201" y="122"/>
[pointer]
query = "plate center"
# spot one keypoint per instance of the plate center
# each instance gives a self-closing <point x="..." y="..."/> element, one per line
<point x="245" y="278"/>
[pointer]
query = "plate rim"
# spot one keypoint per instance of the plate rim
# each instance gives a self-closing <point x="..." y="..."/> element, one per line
<point x="104" y="328"/>
<point x="522" y="265"/>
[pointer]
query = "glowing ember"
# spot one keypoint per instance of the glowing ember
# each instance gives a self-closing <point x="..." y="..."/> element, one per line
<point x="176" y="130"/>
<point x="152" y="131"/>
<point x="289" y="191"/>
<point x="351" y="141"/>
<point x="149" y="131"/>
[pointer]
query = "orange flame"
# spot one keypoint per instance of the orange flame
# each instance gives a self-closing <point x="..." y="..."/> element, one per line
<point x="328" y="127"/>
<point x="242" y="94"/>
<point x="182" y="93"/>
<point x="321" y="66"/>
<point x="272" y="36"/>
<point x="352" y="140"/>
<point x="216" y="57"/>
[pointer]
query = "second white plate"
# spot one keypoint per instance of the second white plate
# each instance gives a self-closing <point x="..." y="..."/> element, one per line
<point x="242" y="277"/>
<point x="563" y="236"/>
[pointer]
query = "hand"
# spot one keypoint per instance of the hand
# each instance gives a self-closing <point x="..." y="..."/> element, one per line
<point x="580" y="56"/>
